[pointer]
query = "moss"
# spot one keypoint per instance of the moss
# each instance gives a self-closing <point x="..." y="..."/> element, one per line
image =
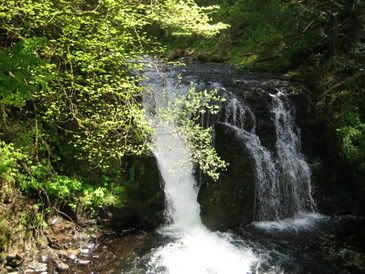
<point x="144" y="185"/>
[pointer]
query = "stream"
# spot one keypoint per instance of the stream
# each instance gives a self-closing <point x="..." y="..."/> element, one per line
<point x="285" y="232"/>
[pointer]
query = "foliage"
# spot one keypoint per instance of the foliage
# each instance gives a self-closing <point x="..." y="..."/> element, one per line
<point x="185" y="112"/>
<point x="186" y="17"/>
<point x="89" y="84"/>
<point x="34" y="219"/>
<point x="69" y="92"/>
<point x="106" y="195"/>
<point x="322" y="41"/>
<point x="343" y="100"/>
<point x="265" y="35"/>
<point x="64" y="190"/>
<point x="86" y="86"/>
<point x="9" y="157"/>
<point x="55" y="189"/>
<point x="16" y="65"/>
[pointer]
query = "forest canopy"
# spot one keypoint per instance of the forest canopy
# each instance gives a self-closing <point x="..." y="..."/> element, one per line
<point x="69" y="91"/>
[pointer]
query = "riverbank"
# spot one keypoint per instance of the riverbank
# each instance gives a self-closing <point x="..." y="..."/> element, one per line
<point x="51" y="248"/>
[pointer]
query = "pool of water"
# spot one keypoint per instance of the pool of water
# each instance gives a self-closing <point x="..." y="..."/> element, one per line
<point x="309" y="243"/>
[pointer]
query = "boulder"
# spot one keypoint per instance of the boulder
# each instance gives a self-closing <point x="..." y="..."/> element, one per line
<point x="230" y="201"/>
<point x="145" y="202"/>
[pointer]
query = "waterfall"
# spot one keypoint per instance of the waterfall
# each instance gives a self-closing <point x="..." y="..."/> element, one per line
<point x="267" y="204"/>
<point x="235" y="114"/>
<point x="283" y="183"/>
<point x="173" y="156"/>
<point x="176" y="168"/>
<point x="193" y="248"/>
<point x="296" y="174"/>
<point x="267" y="183"/>
<point x="280" y="182"/>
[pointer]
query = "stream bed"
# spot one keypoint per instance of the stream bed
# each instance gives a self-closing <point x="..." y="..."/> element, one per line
<point x="310" y="244"/>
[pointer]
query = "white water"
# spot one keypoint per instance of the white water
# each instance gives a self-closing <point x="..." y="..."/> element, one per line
<point x="283" y="183"/>
<point x="300" y="222"/>
<point x="193" y="249"/>
<point x="200" y="251"/>
<point x="267" y="183"/>
<point x="235" y="114"/>
<point x="176" y="169"/>
<point x="268" y="204"/>
<point x="296" y="174"/>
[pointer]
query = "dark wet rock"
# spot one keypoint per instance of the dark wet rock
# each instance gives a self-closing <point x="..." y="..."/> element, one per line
<point x="336" y="246"/>
<point x="111" y="252"/>
<point x="333" y="244"/>
<point x="145" y="202"/>
<point x="260" y="103"/>
<point x="343" y="243"/>
<point x="328" y="245"/>
<point x="230" y="201"/>
<point x="336" y="190"/>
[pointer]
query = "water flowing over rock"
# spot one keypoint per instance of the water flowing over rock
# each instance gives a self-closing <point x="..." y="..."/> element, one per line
<point x="192" y="248"/>
<point x="267" y="184"/>
<point x="283" y="177"/>
<point x="265" y="195"/>
<point x="268" y="177"/>
<point x="296" y="173"/>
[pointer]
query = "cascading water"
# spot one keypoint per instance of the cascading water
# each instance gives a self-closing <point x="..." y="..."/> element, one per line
<point x="267" y="204"/>
<point x="283" y="186"/>
<point x="193" y="248"/>
<point x="296" y="174"/>
<point x="173" y="158"/>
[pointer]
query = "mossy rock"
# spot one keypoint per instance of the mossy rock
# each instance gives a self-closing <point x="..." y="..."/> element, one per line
<point x="145" y="202"/>
<point x="230" y="201"/>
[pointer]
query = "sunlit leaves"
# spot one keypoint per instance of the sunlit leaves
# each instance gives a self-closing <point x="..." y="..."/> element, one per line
<point x="185" y="113"/>
<point x="352" y="136"/>
<point x="16" y="67"/>
<point x="186" y="18"/>
<point x="9" y="157"/>
<point x="85" y="83"/>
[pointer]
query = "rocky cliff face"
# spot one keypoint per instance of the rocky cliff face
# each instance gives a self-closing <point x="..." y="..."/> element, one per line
<point x="234" y="199"/>
<point x="335" y="188"/>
